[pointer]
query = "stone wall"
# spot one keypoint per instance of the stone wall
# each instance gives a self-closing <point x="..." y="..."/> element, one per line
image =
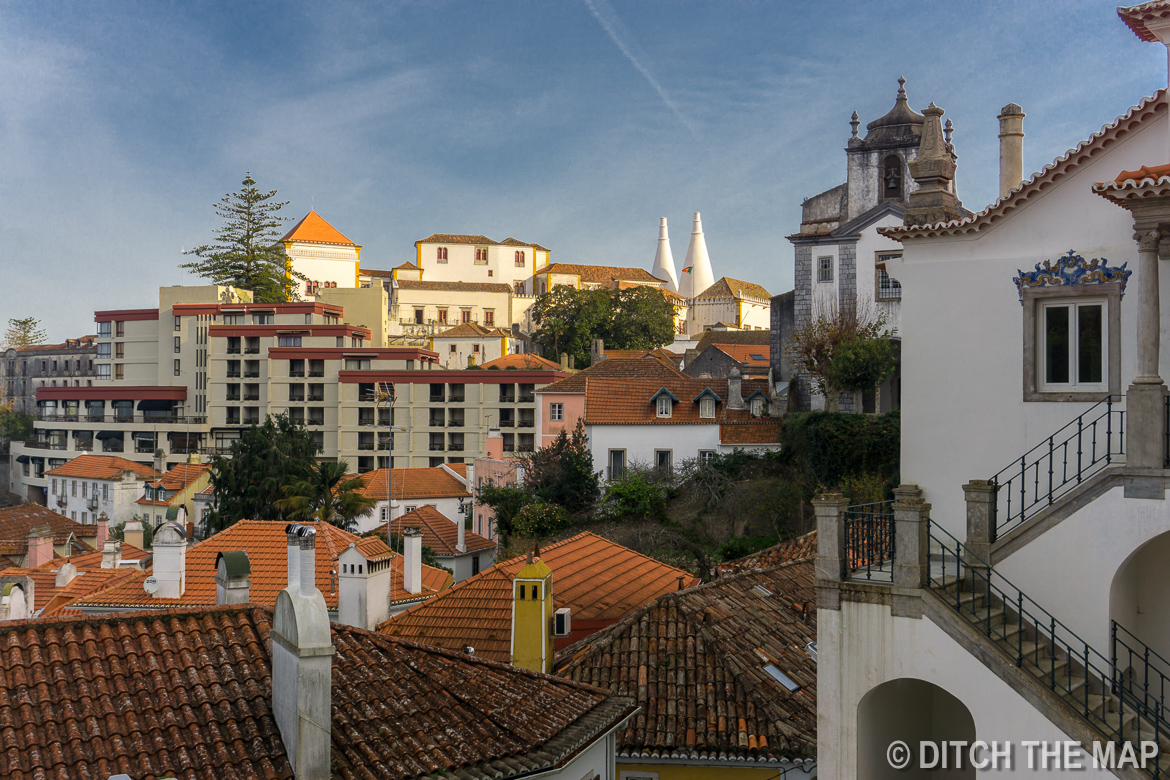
<point x="783" y="319"/>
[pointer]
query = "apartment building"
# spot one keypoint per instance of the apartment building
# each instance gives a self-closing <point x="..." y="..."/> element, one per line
<point x="69" y="363"/>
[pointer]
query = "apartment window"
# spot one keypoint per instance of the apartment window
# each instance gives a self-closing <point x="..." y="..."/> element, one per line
<point x="252" y="392"/>
<point x="706" y="407"/>
<point x="178" y="371"/>
<point x="317" y="368"/>
<point x="233" y="415"/>
<point x="556" y="412"/>
<point x="489" y="317"/>
<point x="233" y="345"/>
<point x="453" y="349"/>
<point x="119" y="329"/>
<point x="53" y="490"/>
<point x="465" y="316"/>
<point x="102" y="371"/>
<point x="233" y="319"/>
<point x="357" y="364"/>
<point x="418" y="317"/>
<point x="1072" y="343"/>
<point x="295" y="367"/>
<point x="664" y="406"/>
<point x="73" y="488"/>
<point x="104" y="330"/>
<point x="455" y="393"/>
<point x="252" y="368"/>
<point x="84" y="517"/>
<point x="475" y="349"/>
<point x="73" y="515"/>
<point x="289" y="341"/>
<point x="105" y="492"/>
<point x="104" y="351"/>
<point x="252" y="414"/>
<point x="119" y="351"/>
<point x="824" y="269"/>
<point x="481" y="256"/>
<point x="296" y="392"/>
<point x="178" y="324"/>
<point x="519" y="258"/>
<point x="441" y="254"/>
<point x="663" y="460"/>
<point x="617" y="464"/>
<point x="119" y="372"/>
<point x="252" y="345"/>
<point x="263" y="319"/>
<point x="442" y="316"/>
<point x="316" y="392"/>
<point x="178" y="345"/>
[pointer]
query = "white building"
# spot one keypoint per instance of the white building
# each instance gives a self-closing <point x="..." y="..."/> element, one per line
<point x="444" y="488"/>
<point x="463" y="551"/>
<point x="1028" y="599"/>
<point x="448" y="257"/>
<point x="732" y="305"/>
<point x="469" y="345"/>
<point x="91" y="485"/>
<point x="322" y="254"/>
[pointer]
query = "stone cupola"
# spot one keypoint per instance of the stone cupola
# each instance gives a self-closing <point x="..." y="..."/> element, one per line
<point x="933" y="170"/>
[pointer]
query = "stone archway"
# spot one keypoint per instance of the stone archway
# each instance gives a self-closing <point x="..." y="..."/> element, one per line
<point x="1139" y="602"/>
<point x="912" y="711"/>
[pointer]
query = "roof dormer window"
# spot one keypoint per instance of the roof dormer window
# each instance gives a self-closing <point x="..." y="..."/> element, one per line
<point x="707" y="408"/>
<point x="664" y="406"/>
<point x="757" y="407"/>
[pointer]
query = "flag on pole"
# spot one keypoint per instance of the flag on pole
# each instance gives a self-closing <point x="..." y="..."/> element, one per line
<point x="687" y="270"/>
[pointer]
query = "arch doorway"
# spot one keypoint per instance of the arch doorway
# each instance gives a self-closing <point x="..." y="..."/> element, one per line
<point x="912" y="711"/>
<point x="1139" y="607"/>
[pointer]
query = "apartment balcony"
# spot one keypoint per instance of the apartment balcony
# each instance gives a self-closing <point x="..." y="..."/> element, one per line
<point x="436" y="399"/>
<point x="436" y="448"/>
<point x="365" y="445"/>
<point x="233" y="350"/>
<point x="252" y="397"/>
<point x="455" y="424"/>
<point x="295" y="374"/>
<point x="233" y="374"/>
<point x="252" y="351"/>
<point x="527" y="398"/>
<point x="45" y="445"/>
<point x="314" y="422"/>
<point x="455" y="448"/>
<point x="507" y="423"/>
<point x="129" y="418"/>
<point x="384" y="445"/>
<point x="317" y="373"/>
<point x="232" y="397"/>
<point x="524" y="448"/>
<point x="366" y="422"/>
<point x="526" y="424"/>
<point x="316" y="396"/>
<point x="251" y="374"/>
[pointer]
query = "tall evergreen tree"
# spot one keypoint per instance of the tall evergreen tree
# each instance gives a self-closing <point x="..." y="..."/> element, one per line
<point x="329" y="496"/>
<point x="250" y="482"/>
<point x="24" y="332"/>
<point x="246" y="252"/>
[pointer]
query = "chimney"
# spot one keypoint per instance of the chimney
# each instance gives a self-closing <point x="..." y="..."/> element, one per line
<point x="103" y="531"/>
<point x="461" y="541"/>
<point x="735" y="390"/>
<point x="132" y="533"/>
<point x="302" y="663"/>
<point x="232" y="577"/>
<point x="170" y="560"/>
<point x="664" y="260"/>
<point x="532" y="613"/>
<point x="495" y="444"/>
<point x="111" y="554"/>
<point x="65" y="574"/>
<point x="363" y="597"/>
<point x="697" y="275"/>
<point x="596" y="351"/>
<point x="16" y="599"/>
<point x="160" y="461"/>
<point x="934" y="171"/>
<point x="412" y="568"/>
<point x="564" y="360"/>
<point x="40" y="546"/>
<point x="1011" y="148"/>
<point x="193" y="457"/>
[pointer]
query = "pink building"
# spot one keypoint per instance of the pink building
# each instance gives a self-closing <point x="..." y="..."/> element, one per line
<point x="497" y="470"/>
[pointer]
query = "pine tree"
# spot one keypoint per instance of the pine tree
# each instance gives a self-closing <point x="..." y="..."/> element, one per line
<point x="24" y="332"/>
<point x="247" y="252"/>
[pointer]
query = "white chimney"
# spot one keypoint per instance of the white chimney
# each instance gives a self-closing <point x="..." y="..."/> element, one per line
<point x="1011" y="148"/>
<point x="232" y="577"/>
<point x="65" y="574"/>
<point x="111" y="554"/>
<point x="700" y="277"/>
<point x="461" y="542"/>
<point x="302" y="665"/>
<point x="412" y="571"/>
<point x="664" y="260"/>
<point x="363" y="597"/>
<point x="294" y="555"/>
<point x="170" y="560"/>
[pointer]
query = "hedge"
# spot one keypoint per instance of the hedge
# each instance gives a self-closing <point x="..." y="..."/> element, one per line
<point x="832" y="445"/>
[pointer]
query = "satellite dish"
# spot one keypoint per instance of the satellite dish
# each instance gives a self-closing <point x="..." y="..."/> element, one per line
<point x="150" y="585"/>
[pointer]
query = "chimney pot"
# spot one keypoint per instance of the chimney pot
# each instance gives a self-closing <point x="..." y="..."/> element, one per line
<point x="232" y="577"/>
<point x="40" y="546"/>
<point x="103" y="531"/>
<point x="111" y="554"/>
<point x="308" y="567"/>
<point x="1011" y="148"/>
<point x="412" y="570"/>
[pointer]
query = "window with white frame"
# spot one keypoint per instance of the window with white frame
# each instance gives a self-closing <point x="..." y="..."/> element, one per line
<point x="706" y="456"/>
<point x="757" y="407"/>
<point x="1073" y="344"/>
<point x="556" y="412"/>
<point x="706" y="407"/>
<point x="617" y="464"/>
<point x="664" y="406"/>
<point x="825" y="269"/>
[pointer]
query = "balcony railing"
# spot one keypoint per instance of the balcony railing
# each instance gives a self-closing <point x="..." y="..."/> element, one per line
<point x="527" y="398"/>
<point x="233" y="374"/>
<point x="507" y="423"/>
<point x="524" y="448"/>
<point x="455" y="424"/>
<point x="365" y="445"/>
<point x="436" y="423"/>
<point x="525" y="424"/>
<point x="316" y="396"/>
<point x="314" y="422"/>
<point x="455" y="448"/>
<point x="436" y="448"/>
<point x="869" y="541"/>
<point x="251" y="374"/>
<point x="365" y="422"/>
<point x="232" y="397"/>
<point x="45" y="445"/>
<point x="298" y="374"/>
<point x="116" y="417"/>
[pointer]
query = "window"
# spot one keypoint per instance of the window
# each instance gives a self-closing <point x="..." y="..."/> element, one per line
<point x="178" y="345"/>
<point x="706" y="407"/>
<point x="104" y="330"/>
<point x="824" y="269"/>
<point x="519" y="259"/>
<point x="490" y="272"/>
<point x="664" y="406"/>
<point x="706" y="456"/>
<point x="119" y="372"/>
<point x="252" y="345"/>
<point x="178" y="324"/>
<point x="888" y="288"/>
<point x="481" y="256"/>
<point x="73" y="488"/>
<point x="1071" y="343"/>
<point x="465" y="316"/>
<point x="517" y="288"/>
<point x="178" y="371"/>
<point x="663" y="460"/>
<point x="233" y="319"/>
<point x="454" y="349"/>
<point x="105" y="492"/>
<point x="119" y="351"/>
<point x="119" y="328"/>
<point x="441" y="254"/>
<point x="357" y="364"/>
<point x="489" y="317"/>
<point x="617" y="464"/>
<point x="758" y="407"/>
<point x="103" y="351"/>
<point x="475" y="349"/>
<point x="263" y="319"/>
<point x="53" y="490"/>
<point x="418" y="317"/>
<point x="102" y="371"/>
<point x="84" y="517"/>
<point x="779" y="676"/>
<point x="442" y="316"/>
<point x="556" y="412"/>
<point x="289" y="341"/>
<point x="475" y="559"/>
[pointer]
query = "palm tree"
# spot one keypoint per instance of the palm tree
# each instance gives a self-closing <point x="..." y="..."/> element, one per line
<point x="329" y="496"/>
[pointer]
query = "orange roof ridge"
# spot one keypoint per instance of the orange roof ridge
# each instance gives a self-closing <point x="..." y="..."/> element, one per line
<point x="313" y="229"/>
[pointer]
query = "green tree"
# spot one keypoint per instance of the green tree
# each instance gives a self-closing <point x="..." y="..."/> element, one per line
<point x="568" y="320"/>
<point x="24" y="332"/>
<point x="328" y="495"/>
<point x="862" y="364"/>
<point x="815" y="344"/>
<point x="266" y="457"/>
<point x="562" y="472"/>
<point x="640" y="318"/>
<point x="15" y="426"/>
<point x="246" y="252"/>
<point x="538" y="521"/>
<point x="635" y="496"/>
<point x="506" y="501"/>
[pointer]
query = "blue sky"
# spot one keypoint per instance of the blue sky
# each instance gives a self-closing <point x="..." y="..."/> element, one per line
<point x="575" y="124"/>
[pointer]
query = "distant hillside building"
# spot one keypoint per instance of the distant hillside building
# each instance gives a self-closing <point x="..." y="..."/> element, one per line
<point x="320" y="252"/>
<point x="68" y="364"/>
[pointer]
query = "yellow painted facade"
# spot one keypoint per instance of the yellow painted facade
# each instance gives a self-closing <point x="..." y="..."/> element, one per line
<point x="532" y="611"/>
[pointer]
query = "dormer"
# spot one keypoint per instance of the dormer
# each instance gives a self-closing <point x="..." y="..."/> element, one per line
<point x="664" y="402"/>
<point x="757" y="403"/>
<point x="707" y="400"/>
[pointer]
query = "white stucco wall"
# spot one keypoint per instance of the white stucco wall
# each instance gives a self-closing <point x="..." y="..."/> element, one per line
<point x="640" y="442"/>
<point x="963" y="416"/>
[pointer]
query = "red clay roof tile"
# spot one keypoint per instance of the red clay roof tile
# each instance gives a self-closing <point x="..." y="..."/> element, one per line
<point x="313" y="229"/>
<point x="101" y="467"/>
<point x="439" y="532"/>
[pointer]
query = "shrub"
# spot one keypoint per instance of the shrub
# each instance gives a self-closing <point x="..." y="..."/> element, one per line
<point x="635" y="495"/>
<point x="830" y="446"/>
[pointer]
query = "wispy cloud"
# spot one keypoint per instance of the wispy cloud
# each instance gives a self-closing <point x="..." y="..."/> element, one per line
<point x="612" y="24"/>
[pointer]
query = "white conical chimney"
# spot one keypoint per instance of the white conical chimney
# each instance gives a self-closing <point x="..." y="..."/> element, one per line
<point x="699" y="277"/>
<point x="664" y="260"/>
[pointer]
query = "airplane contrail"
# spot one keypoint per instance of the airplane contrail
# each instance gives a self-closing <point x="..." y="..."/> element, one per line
<point x="612" y="24"/>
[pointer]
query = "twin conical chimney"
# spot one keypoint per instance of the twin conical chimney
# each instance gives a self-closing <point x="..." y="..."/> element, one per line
<point x="696" y="275"/>
<point x="664" y="260"/>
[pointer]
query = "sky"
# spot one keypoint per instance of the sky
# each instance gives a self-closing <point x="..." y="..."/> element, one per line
<point x="574" y="124"/>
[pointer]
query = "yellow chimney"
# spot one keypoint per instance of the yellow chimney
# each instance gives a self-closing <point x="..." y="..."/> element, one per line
<point x="532" y="613"/>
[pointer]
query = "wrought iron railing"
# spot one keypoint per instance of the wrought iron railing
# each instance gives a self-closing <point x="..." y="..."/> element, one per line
<point x="869" y="541"/>
<point x="1058" y="464"/>
<point x="1143" y="672"/>
<point x="1042" y="645"/>
<point x="1166" y="435"/>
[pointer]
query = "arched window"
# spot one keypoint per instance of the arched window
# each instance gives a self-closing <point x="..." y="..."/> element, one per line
<point x="892" y="178"/>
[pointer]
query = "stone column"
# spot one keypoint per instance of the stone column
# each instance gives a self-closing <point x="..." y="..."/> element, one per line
<point x="981" y="496"/>
<point x="910" y="537"/>
<point x="830" y="566"/>
<point x="1145" y="398"/>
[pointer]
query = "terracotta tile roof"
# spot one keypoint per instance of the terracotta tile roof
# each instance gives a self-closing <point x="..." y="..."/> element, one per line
<point x="471" y="329"/>
<point x="439" y="532"/>
<point x="1053" y="173"/>
<point x="517" y="242"/>
<point x="1138" y="18"/>
<point x="602" y="274"/>
<point x="596" y="578"/>
<point x="189" y="693"/>
<point x="718" y="638"/>
<point x="415" y="483"/>
<point x="454" y="238"/>
<point x="648" y="367"/>
<point x="763" y="431"/>
<point x="315" y="230"/>
<point x="81" y="343"/>
<point x="630" y="402"/>
<point x="101" y="467"/>
<point x="180" y="476"/>
<point x="17" y="521"/>
<point x="522" y="361"/>
<point x="798" y="549"/>
<point x="266" y="545"/>
<point x="91" y="578"/>
<point x="755" y="337"/>
<point x="410" y="284"/>
<point x="749" y="354"/>
<point x="674" y="297"/>
<point x="376" y="274"/>
<point x="734" y="288"/>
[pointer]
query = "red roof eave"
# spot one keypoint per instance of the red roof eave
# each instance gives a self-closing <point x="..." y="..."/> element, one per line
<point x="123" y="392"/>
